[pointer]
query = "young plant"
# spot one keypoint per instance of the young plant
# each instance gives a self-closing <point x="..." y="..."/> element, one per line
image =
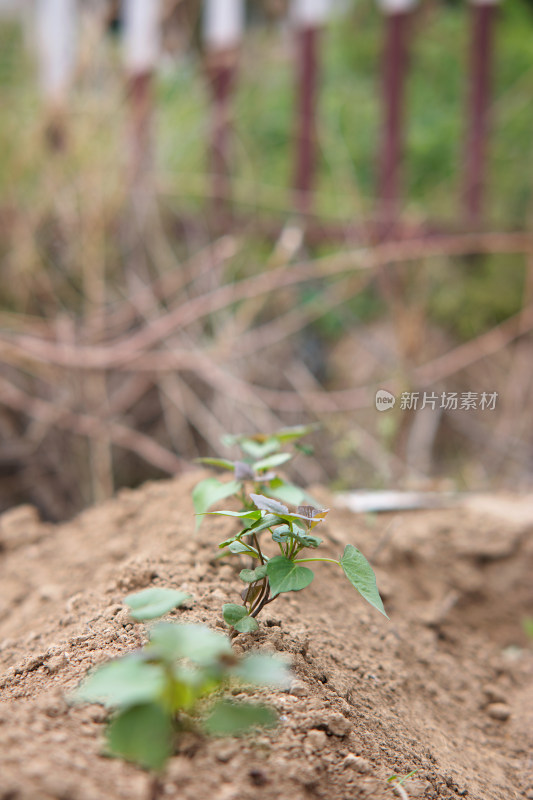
<point x="397" y="783"/>
<point x="256" y="471"/>
<point x="174" y="683"/>
<point x="261" y="511"/>
<point x="272" y="576"/>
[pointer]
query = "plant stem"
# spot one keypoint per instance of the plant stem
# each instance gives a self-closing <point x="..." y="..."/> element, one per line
<point x="302" y="560"/>
<point x="294" y="549"/>
<point x="263" y="599"/>
<point x="256" y="542"/>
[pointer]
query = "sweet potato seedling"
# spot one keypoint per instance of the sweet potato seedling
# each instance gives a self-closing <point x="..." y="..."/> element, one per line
<point x="174" y="683"/>
<point x="257" y="471"/>
<point x="285" y="572"/>
<point x="291" y="532"/>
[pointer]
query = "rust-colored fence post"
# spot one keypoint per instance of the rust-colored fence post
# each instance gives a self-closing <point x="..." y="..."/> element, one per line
<point x="308" y="17"/>
<point x="481" y="56"/>
<point x="223" y="29"/>
<point x="142" y="20"/>
<point x="56" y="39"/>
<point x="395" y="63"/>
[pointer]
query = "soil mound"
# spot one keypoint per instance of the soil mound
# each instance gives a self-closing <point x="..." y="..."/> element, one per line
<point x="444" y="688"/>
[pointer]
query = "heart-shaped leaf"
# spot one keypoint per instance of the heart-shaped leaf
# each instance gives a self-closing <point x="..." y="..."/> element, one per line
<point x="232" y="613"/>
<point x="142" y="734"/>
<point x="154" y="602"/>
<point x="286" y="576"/>
<point x="252" y="575"/>
<point x="246" y="625"/>
<point x="361" y="575"/>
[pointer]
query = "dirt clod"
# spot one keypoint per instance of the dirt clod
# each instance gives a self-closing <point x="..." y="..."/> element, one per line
<point x="299" y="689"/>
<point x="499" y="711"/>
<point x="337" y="724"/>
<point x="357" y="763"/>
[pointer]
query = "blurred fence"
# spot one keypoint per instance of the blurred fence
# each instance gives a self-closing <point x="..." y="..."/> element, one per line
<point x="223" y="26"/>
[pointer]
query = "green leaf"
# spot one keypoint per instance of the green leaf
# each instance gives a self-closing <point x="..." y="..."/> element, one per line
<point x="286" y="576"/>
<point x="253" y="515"/>
<point x="264" y="522"/>
<point x="246" y="625"/>
<point x="210" y="491"/>
<point x="267" y="504"/>
<point x="275" y="460"/>
<point x="223" y="463"/>
<point x="239" y="547"/>
<point x="264" y="670"/>
<point x="252" y="575"/>
<point x="361" y="575"/>
<point x="234" y="719"/>
<point x="310" y="541"/>
<point x="283" y="533"/>
<point x="296" y="432"/>
<point x="142" y="734"/>
<point x="122" y="683"/>
<point x="258" y="450"/>
<point x="230" y="540"/>
<point x="258" y="446"/>
<point x="172" y="640"/>
<point x="154" y="602"/>
<point x="232" y="613"/>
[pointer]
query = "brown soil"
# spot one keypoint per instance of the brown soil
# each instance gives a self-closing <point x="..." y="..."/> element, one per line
<point x="444" y="688"/>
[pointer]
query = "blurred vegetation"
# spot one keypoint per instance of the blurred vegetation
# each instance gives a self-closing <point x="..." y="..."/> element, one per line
<point x="437" y="96"/>
<point x="65" y="222"/>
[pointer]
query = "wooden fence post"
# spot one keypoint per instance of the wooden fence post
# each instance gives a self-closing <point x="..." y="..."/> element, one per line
<point x="395" y="64"/>
<point x="481" y="56"/>
<point x="56" y="35"/>
<point x="142" y="35"/>
<point x="309" y="17"/>
<point x="223" y="28"/>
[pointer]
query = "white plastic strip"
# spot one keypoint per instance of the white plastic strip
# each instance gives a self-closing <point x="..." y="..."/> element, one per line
<point x="56" y="29"/>
<point x="396" y="6"/>
<point x="142" y="34"/>
<point x="223" y="23"/>
<point x="310" y="12"/>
